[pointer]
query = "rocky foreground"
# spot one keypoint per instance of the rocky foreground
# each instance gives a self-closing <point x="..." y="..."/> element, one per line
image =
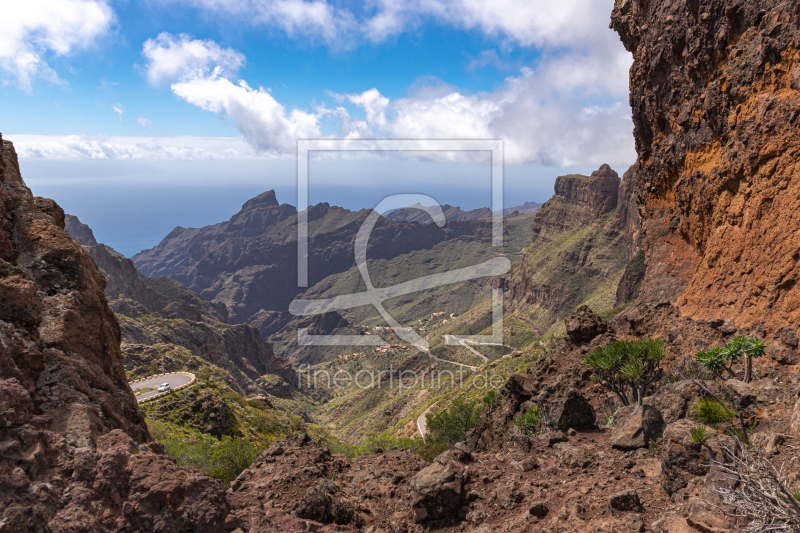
<point x="715" y="97"/>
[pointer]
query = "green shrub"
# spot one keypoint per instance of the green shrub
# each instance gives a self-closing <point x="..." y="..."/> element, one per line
<point x="699" y="434"/>
<point x="236" y="398"/>
<point x="738" y="434"/>
<point x="627" y="366"/>
<point x="490" y="399"/>
<point x="431" y="450"/>
<point x="222" y="459"/>
<point x="531" y="422"/>
<point x="202" y="374"/>
<point x="258" y="403"/>
<point x="710" y="411"/>
<point x="230" y="457"/>
<point x="383" y="441"/>
<point x="721" y="358"/>
<point x="266" y="424"/>
<point x="452" y="425"/>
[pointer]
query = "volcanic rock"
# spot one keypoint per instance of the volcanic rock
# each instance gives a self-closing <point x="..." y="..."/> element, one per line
<point x="75" y="452"/>
<point x="636" y="427"/>
<point x="584" y="325"/>
<point x="571" y="410"/>
<point x="740" y="394"/>
<point x="438" y="490"/>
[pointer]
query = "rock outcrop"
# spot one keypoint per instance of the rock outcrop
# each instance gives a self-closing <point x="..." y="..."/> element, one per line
<point x="164" y="323"/>
<point x="76" y="454"/>
<point x="583" y="238"/>
<point x="79" y="231"/>
<point x="715" y="99"/>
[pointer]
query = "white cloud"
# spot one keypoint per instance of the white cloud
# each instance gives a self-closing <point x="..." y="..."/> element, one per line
<point x="119" y="110"/>
<point x="526" y="22"/>
<point x="314" y="20"/>
<point x="539" y="125"/>
<point x="541" y="23"/>
<point x="265" y="123"/>
<point x="200" y="67"/>
<point x="568" y="108"/>
<point x="31" y="29"/>
<point x="143" y="122"/>
<point x="171" y="58"/>
<point x="487" y="58"/>
<point x="185" y="147"/>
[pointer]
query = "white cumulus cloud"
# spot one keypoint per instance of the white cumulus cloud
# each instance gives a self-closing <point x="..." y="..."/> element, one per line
<point x="171" y="58"/>
<point x="264" y="122"/>
<point x="32" y="29"/>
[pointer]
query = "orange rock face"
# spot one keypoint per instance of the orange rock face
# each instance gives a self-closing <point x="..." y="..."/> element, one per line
<point x="715" y="93"/>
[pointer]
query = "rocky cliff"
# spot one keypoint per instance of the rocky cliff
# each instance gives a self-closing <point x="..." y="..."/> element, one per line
<point x="80" y="232"/>
<point x="250" y="262"/>
<point x="583" y="238"/>
<point x="715" y="93"/>
<point x="166" y="328"/>
<point x="76" y="454"/>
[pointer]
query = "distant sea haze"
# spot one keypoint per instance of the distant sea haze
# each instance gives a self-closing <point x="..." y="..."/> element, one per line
<point x="133" y="207"/>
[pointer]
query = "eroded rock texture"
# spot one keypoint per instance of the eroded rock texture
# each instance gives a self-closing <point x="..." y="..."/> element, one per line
<point x="74" y="449"/>
<point x="714" y="92"/>
<point x="583" y="237"/>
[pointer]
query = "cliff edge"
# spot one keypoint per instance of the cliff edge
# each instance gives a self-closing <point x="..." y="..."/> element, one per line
<point x="715" y="94"/>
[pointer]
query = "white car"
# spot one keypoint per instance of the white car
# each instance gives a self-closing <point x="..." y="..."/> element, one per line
<point x="164" y="387"/>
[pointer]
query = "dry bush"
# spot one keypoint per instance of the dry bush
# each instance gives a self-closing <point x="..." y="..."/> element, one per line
<point x="759" y="497"/>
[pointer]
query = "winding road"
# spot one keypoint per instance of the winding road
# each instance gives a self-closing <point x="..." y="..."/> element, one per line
<point x="464" y="343"/>
<point x="422" y="422"/>
<point x="175" y="381"/>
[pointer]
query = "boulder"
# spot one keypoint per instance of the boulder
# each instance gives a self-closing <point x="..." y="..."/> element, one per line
<point x="673" y="400"/>
<point x="682" y="459"/>
<point x="438" y="489"/>
<point x="507" y="497"/>
<point x="769" y="443"/>
<point x="551" y="438"/>
<point x="325" y="503"/>
<point x="787" y="336"/>
<point x="636" y="427"/>
<point x="572" y="456"/>
<point x="527" y="464"/>
<point x="572" y="410"/>
<point x="627" y="500"/>
<point x="782" y="353"/>
<point x="740" y="394"/>
<point x="584" y="325"/>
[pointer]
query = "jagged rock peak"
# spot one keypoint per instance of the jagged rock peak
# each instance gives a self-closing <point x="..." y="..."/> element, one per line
<point x="598" y="192"/>
<point x="80" y="232"/>
<point x="265" y="199"/>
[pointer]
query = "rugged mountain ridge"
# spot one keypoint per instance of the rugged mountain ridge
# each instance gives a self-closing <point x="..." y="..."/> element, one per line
<point x="457" y="214"/>
<point x="160" y="315"/>
<point x="76" y="454"/>
<point x="250" y="262"/>
<point x="583" y="237"/>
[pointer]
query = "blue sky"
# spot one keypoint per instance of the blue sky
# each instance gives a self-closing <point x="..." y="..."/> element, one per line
<point x="170" y="83"/>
